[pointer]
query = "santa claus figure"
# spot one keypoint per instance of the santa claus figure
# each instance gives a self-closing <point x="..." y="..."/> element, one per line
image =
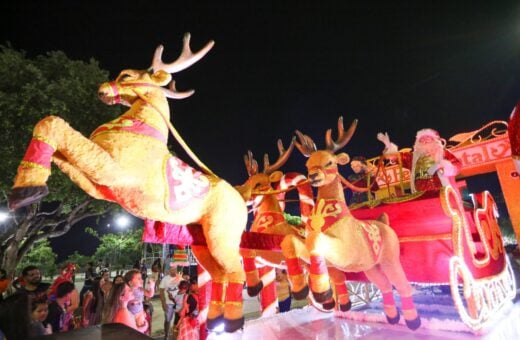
<point x="432" y="165"/>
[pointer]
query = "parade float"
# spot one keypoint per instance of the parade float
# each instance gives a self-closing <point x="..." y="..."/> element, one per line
<point x="444" y="239"/>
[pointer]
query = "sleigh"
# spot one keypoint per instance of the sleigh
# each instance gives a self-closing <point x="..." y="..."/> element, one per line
<point x="444" y="240"/>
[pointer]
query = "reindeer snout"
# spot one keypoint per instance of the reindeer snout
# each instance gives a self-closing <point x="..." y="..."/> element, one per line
<point x="313" y="176"/>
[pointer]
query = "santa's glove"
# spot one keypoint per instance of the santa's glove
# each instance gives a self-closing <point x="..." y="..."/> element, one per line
<point x="389" y="146"/>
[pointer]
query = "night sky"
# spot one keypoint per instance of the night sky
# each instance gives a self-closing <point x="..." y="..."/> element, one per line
<point x="280" y="66"/>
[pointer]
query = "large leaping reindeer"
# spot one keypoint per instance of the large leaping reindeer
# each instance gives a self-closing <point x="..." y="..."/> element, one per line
<point x="127" y="161"/>
<point x="339" y="242"/>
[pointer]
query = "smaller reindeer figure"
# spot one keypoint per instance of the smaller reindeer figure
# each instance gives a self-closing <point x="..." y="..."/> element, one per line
<point x="268" y="218"/>
<point x="337" y="242"/>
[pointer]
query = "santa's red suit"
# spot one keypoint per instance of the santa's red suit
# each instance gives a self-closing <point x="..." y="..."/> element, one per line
<point x="423" y="180"/>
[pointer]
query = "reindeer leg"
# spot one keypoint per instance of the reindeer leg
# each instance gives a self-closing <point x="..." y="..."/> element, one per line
<point x="215" y="315"/>
<point x="338" y="279"/>
<point x="377" y="277"/>
<point x="52" y="134"/>
<point x="397" y="277"/>
<point x="293" y="249"/>
<point x="253" y="282"/>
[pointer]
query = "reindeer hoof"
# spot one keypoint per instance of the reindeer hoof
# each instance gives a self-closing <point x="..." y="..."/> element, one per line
<point x="302" y="294"/>
<point x="322" y="297"/>
<point x="345" y="307"/>
<point x="329" y="305"/>
<point x="211" y="324"/>
<point x="231" y="326"/>
<point x="393" y="320"/>
<point x="413" y="324"/>
<point x="253" y="291"/>
<point x="24" y="196"/>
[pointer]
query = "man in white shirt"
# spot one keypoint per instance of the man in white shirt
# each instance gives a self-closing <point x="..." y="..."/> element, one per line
<point x="167" y="292"/>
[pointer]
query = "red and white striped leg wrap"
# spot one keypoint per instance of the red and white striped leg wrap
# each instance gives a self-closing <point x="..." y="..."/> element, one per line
<point x="204" y="282"/>
<point x="319" y="274"/>
<point x="268" y="298"/>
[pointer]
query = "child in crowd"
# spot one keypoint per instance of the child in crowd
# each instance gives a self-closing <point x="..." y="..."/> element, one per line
<point x="135" y="280"/>
<point x="39" y="312"/>
<point x="189" y="322"/>
<point x="179" y="301"/>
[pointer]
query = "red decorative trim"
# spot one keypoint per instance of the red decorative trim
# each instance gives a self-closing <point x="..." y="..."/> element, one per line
<point x="293" y="266"/>
<point x="39" y="152"/>
<point x="234" y="292"/>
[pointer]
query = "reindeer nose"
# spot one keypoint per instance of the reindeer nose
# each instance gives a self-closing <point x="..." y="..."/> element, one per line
<point x="313" y="176"/>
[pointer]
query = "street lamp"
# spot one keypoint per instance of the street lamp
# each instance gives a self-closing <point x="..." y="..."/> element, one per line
<point x="4" y="215"/>
<point x="122" y="221"/>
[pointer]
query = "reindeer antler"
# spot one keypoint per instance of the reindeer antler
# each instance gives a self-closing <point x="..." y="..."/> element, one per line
<point x="251" y="164"/>
<point x="185" y="60"/>
<point x="284" y="156"/>
<point x="306" y="144"/>
<point x="343" y="136"/>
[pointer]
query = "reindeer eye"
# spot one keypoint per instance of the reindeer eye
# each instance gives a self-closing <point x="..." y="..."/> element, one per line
<point x="258" y="185"/>
<point x="329" y="163"/>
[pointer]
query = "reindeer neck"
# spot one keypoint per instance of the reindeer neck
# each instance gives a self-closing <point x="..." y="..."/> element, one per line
<point x="269" y="203"/>
<point x="333" y="190"/>
<point x="153" y="112"/>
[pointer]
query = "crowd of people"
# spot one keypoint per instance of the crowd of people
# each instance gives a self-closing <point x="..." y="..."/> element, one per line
<point x="30" y="307"/>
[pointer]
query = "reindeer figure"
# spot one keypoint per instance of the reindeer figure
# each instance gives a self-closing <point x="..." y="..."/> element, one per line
<point x="127" y="161"/>
<point x="268" y="218"/>
<point x="342" y="243"/>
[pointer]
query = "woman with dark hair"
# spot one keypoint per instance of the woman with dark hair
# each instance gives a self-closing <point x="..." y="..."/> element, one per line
<point x="118" y="279"/>
<point x="116" y="307"/>
<point x="15" y="316"/>
<point x="93" y="303"/>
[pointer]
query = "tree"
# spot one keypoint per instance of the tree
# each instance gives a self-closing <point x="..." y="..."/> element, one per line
<point x="41" y="255"/>
<point x="31" y="89"/>
<point x="78" y="259"/>
<point x="119" y="249"/>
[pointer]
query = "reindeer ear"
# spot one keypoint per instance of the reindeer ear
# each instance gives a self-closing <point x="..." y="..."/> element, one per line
<point x="275" y="176"/>
<point x="342" y="158"/>
<point x="161" y="78"/>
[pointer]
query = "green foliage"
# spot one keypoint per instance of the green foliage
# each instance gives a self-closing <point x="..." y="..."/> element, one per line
<point x="50" y="84"/>
<point x="294" y="220"/>
<point x="41" y="255"/>
<point x="78" y="259"/>
<point x="119" y="249"/>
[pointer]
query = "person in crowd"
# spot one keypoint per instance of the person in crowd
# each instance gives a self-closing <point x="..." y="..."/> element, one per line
<point x="116" y="307"/>
<point x="144" y="270"/>
<point x="60" y="316"/>
<point x="361" y="178"/>
<point x="39" y="312"/>
<point x="189" y="324"/>
<point x="157" y="270"/>
<point x="90" y="274"/>
<point x="93" y="302"/>
<point x="179" y="301"/>
<point x="167" y="290"/>
<point x="134" y="279"/>
<point x="66" y="275"/>
<point x="15" y="316"/>
<point x="33" y="285"/>
<point x="283" y="290"/>
<point x="105" y="283"/>
<point x="118" y="279"/>
<point x="431" y="165"/>
<point x="4" y="283"/>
